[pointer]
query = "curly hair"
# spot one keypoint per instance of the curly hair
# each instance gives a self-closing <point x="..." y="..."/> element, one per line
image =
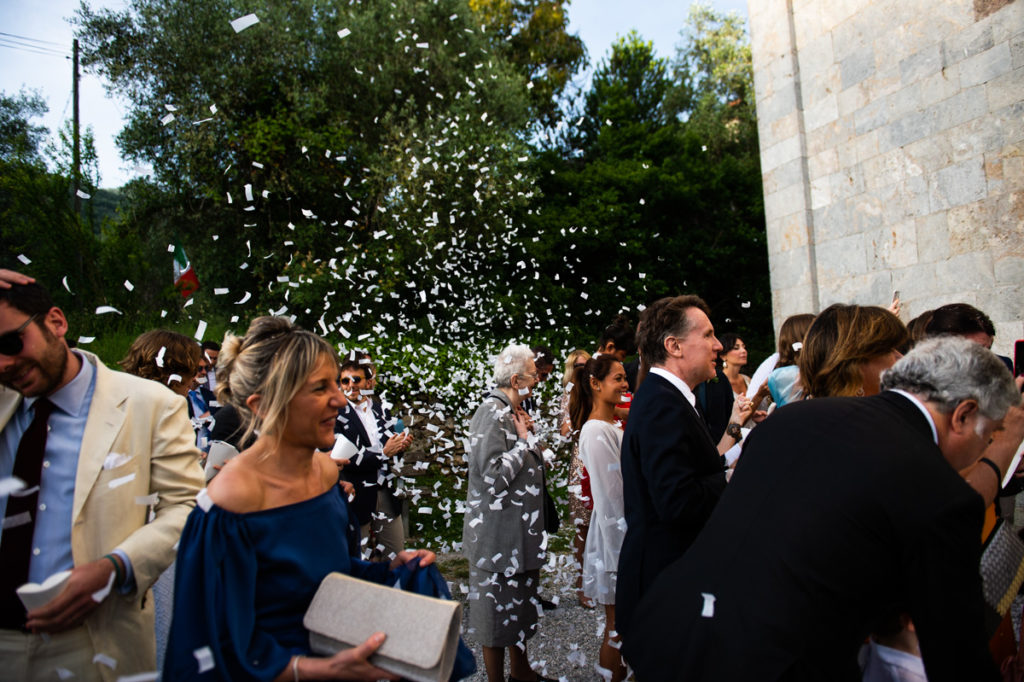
<point x="164" y="356"/>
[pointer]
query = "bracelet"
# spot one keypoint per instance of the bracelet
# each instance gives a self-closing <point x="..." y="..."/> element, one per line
<point x="999" y="476"/>
<point x="295" y="668"/>
<point x="118" y="574"/>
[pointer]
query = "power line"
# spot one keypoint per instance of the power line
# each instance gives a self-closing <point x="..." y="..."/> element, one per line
<point x="34" y="40"/>
<point x="34" y="50"/>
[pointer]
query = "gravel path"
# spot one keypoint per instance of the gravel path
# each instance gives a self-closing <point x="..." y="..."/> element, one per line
<point x="568" y="638"/>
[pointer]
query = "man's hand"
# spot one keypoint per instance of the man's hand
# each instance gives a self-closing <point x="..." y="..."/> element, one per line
<point x="9" y="277"/>
<point x="397" y="443"/>
<point x="71" y="607"/>
<point x="522" y="422"/>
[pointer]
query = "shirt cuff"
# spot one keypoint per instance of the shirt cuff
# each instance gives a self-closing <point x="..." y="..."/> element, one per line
<point x="128" y="586"/>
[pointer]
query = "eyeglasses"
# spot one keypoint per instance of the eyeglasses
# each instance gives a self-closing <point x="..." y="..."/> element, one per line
<point x="345" y="381"/>
<point x="11" y="343"/>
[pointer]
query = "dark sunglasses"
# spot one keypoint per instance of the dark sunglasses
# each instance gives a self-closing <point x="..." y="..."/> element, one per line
<point x="355" y="380"/>
<point x="11" y="343"/>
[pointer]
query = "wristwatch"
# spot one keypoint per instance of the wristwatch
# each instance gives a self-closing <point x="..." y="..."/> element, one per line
<point x="733" y="430"/>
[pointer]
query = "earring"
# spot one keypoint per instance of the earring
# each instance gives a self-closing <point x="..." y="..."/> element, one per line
<point x="725" y="364"/>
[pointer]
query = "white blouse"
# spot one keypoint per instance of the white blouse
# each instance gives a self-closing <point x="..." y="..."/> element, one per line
<point x="600" y="448"/>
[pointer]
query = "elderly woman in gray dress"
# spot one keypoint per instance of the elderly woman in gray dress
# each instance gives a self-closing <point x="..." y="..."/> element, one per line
<point x="503" y="531"/>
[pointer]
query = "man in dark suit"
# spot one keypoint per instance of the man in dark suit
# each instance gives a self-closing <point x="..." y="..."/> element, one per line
<point x="842" y="513"/>
<point x="370" y="428"/>
<point x="672" y="474"/>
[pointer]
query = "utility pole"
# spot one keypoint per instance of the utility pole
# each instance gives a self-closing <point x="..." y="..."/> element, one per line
<point x="77" y="157"/>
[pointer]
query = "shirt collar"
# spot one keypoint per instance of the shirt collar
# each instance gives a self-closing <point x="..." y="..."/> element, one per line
<point x="70" y="398"/>
<point x="677" y="382"/>
<point x="924" y="410"/>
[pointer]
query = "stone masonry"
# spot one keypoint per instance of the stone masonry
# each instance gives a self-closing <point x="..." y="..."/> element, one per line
<point x="892" y="153"/>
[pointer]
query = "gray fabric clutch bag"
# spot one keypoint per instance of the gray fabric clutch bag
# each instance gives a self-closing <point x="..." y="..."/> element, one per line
<point x="423" y="632"/>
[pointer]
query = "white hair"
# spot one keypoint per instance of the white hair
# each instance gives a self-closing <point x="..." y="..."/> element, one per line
<point x="513" y="360"/>
<point x="948" y="370"/>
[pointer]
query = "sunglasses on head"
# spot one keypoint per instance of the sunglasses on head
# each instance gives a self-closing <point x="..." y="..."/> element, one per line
<point x="11" y="343"/>
<point x="345" y="381"/>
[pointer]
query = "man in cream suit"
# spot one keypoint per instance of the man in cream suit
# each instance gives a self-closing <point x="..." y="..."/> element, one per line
<point x="118" y="451"/>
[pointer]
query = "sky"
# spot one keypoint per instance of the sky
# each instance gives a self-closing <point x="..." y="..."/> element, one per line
<point x="43" y="61"/>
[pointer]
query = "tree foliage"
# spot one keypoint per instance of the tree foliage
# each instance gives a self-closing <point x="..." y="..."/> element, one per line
<point x="533" y="35"/>
<point x="382" y="164"/>
<point x="641" y="202"/>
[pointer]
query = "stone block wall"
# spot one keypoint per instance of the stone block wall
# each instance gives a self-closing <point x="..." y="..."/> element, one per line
<point x="892" y="153"/>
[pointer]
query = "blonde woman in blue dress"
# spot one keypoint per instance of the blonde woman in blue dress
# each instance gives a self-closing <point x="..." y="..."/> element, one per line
<point x="597" y="389"/>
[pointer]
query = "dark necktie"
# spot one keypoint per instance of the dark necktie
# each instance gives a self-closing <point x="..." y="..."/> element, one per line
<point x="20" y="519"/>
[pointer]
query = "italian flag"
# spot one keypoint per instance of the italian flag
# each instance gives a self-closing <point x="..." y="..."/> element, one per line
<point x="185" y="280"/>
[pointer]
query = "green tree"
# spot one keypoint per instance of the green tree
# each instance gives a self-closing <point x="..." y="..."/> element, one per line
<point x="637" y="203"/>
<point x="533" y="35"/>
<point x="370" y="151"/>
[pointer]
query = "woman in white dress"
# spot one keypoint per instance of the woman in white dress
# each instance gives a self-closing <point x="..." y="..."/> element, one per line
<point x="599" y="386"/>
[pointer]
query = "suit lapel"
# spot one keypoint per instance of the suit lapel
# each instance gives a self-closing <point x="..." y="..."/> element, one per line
<point x="354" y="425"/>
<point x="9" y="402"/>
<point x="106" y="417"/>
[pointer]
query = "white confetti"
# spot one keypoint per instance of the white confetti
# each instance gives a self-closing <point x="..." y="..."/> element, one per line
<point x="203" y="500"/>
<point x="105" y="660"/>
<point x="115" y="459"/>
<point x="86" y="339"/>
<point x="129" y="286"/>
<point x="104" y="309"/>
<point x="797" y="345"/>
<point x="213" y="108"/>
<point x="201" y="330"/>
<point x="341" y="34"/>
<point x="64" y="281"/>
<point x="244" y="298"/>
<point x="101" y="594"/>
<point x="10" y="485"/>
<point x="242" y="23"/>
<point x="708" y="610"/>
<point x="83" y="195"/>
<point x="151" y="676"/>
<point x="147" y="500"/>
<point x="218" y="291"/>
<point x="205" y="658"/>
<point x="24" y="259"/>
<point x="118" y="482"/>
<point x="167" y="119"/>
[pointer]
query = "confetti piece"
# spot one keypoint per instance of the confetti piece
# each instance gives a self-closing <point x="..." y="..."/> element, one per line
<point x="118" y="482"/>
<point x="203" y="500"/>
<point x="115" y="459"/>
<point x="708" y="610"/>
<point x="797" y="345"/>
<point x="341" y="34"/>
<point x="86" y="339"/>
<point x="64" y="281"/>
<point x="200" y="330"/>
<point x="242" y="23"/>
<point x="101" y="594"/>
<point x="24" y="259"/>
<point x="205" y="659"/>
<point x="129" y="286"/>
<point x="10" y="485"/>
<point x="220" y="291"/>
<point x="140" y="677"/>
<point x="104" y="309"/>
<point x="147" y="500"/>
<point x="167" y="119"/>
<point x="83" y="195"/>
<point x="103" y="659"/>
<point x="745" y="304"/>
<point x="244" y="298"/>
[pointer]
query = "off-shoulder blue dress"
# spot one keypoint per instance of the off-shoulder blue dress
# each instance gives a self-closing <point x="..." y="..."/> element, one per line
<point x="244" y="582"/>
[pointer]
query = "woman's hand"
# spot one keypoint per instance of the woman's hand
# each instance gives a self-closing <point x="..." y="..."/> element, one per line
<point x="741" y="410"/>
<point x="406" y="555"/>
<point x="523" y="423"/>
<point x="351" y="664"/>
